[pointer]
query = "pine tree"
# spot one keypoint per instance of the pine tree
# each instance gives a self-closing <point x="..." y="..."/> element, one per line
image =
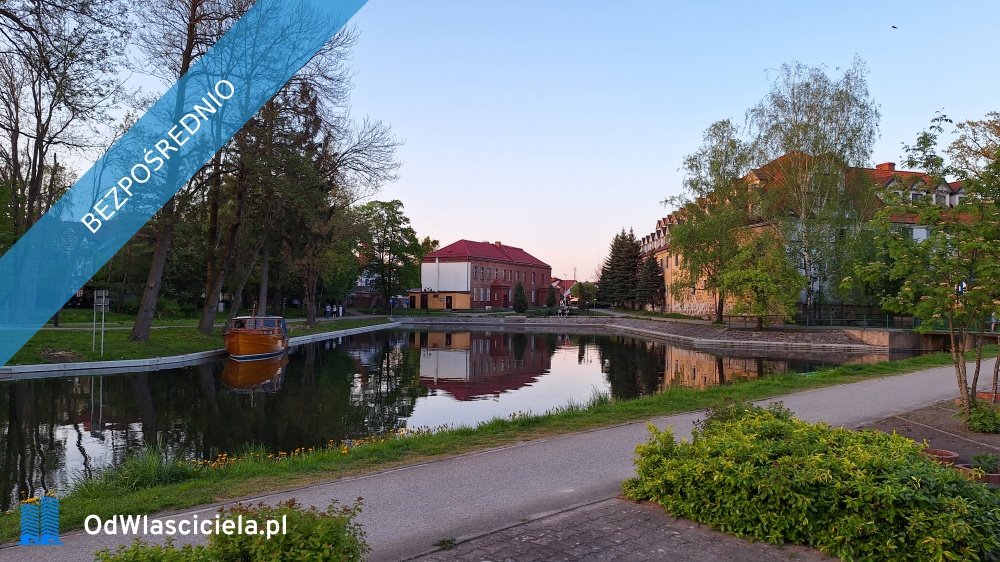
<point x="620" y="272"/>
<point x="520" y="298"/>
<point x="650" y="283"/>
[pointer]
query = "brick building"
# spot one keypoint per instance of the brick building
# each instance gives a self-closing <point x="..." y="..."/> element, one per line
<point x="468" y="275"/>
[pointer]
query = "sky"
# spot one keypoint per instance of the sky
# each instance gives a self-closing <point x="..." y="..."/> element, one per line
<point x="551" y="125"/>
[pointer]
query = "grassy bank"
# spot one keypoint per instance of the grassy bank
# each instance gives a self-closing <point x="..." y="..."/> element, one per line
<point x="51" y="346"/>
<point x="256" y="472"/>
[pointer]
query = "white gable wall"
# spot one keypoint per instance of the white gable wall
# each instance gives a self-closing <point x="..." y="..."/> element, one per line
<point x="445" y="276"/>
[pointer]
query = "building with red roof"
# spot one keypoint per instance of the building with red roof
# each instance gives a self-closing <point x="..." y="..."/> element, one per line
<point x="468" y="275"/>
<point x="772" y="177"/>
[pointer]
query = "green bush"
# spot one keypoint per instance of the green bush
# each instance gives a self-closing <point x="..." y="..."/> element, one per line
<point x="762" y="474"/>
<point x="984" y="419"/>
<point x="520" y="299"/>
<point x="988" y="463"/>
<point x="330" y="535"/>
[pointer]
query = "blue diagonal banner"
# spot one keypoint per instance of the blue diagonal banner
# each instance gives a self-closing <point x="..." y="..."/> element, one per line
<point x="157" y="156"/>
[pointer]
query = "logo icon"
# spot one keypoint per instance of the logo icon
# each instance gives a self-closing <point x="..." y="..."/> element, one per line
<point x="40" y="521"/>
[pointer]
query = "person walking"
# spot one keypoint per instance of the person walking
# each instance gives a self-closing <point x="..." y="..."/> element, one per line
<point x="327" y="311"/>
<point x="340" y="310"/>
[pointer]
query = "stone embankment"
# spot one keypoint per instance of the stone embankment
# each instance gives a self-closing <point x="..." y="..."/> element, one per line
<point x="693" y="334"/>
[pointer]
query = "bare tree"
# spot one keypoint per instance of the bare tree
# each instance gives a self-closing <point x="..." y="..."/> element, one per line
<point x="58" y="78"/>
<point x="179" y="33"/>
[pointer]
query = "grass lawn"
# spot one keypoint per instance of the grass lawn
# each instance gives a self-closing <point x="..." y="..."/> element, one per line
<point x="256" y="474"/>
<point x="75" y="345"/>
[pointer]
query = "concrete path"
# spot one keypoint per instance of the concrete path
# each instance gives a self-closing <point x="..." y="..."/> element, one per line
<point x="408" y="510"/>
<point x="621" y="531"/>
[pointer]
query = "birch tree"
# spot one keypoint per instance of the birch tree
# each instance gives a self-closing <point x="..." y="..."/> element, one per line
<point x="811" y="127"/>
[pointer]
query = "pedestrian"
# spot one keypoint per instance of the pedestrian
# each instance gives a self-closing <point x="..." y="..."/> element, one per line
<point x="340" y="310"/>
<point x="327" y="310"/>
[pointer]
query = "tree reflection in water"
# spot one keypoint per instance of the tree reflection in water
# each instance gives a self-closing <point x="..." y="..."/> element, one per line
<point x="57" y="430"/>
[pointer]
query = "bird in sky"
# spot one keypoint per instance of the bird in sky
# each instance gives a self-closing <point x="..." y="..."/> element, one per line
<point x="894" y="27"/>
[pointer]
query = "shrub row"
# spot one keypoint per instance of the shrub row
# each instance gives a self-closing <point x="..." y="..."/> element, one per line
<point x="762" y="474"/>
<point x="330" y="535"/>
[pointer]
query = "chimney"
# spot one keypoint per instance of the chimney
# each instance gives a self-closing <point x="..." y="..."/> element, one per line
<point x="888" y="166"/>
<point x="498" y="243"/>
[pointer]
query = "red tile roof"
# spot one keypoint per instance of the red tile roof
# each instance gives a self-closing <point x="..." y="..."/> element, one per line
<point x="467" y="249"/>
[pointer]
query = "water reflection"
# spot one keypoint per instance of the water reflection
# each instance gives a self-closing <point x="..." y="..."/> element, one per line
<point x="53" y="431"/>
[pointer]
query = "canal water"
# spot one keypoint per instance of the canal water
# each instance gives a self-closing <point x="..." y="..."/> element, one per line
<point x="54" y="431"/>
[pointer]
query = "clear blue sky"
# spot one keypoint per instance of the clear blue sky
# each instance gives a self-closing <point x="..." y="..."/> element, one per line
<point x="552" y="125"/>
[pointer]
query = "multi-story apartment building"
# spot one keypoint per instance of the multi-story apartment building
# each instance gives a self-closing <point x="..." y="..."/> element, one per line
<point x="701" y="300"/>
<point x="477" y="275"/>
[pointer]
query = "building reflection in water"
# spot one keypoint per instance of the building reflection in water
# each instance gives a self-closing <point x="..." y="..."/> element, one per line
<point x="477" y="365"/>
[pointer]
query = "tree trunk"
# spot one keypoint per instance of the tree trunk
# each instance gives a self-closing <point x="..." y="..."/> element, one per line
<point x="212" y="248"/>
<point x="996" y="376"/>
<point x="720" y="306"/>
<point x="150" y="294"/>
<point x="265" y="269"/>
<point x="310" y="278"/>
<point x="979" y="362"/>
<point x="958" y="359"/>
<point x="217" y="278"/>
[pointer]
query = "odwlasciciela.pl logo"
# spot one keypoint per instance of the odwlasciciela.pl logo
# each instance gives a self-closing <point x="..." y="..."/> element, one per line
<point x="40" y="521"/>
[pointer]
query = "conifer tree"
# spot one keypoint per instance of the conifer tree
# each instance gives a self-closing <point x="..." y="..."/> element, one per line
<point x="520" y="298"/>
<point x="650" y="283"/>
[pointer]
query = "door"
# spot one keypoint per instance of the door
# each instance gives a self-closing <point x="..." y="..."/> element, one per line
<point x="423" y="301"/>
<point x="447" y="303"/>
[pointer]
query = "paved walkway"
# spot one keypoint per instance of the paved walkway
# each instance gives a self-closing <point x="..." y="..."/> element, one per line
<point x="407" y="510"/>
<point x="617" y="530"/>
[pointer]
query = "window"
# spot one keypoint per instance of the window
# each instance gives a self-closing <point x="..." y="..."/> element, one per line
<point x="532" y="277"/>
<point x="914" y="196"/>
<point x="676" y="258"/>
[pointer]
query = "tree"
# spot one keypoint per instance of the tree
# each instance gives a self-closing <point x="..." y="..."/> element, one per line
<point x="550" y="297"/>
<point x="178" y="34"/>
<point x="715" y="208"/>
<point x="390" y="253"/>
<point x="649" y="291"/>
<point x="952" y="276"/>
<point x="620" y="272"/>
<point x="976" y="151"/>
<point x="811" y="127"/>
<point x="761" y="280"/>
<point x="427" y="245"/>
<point x="520" y="298"/>
<point x="585" y="292"/>
<point x="58" y="79"/>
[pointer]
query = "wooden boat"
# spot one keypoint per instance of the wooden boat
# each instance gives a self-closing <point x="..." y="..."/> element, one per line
<point x="262" y="374"/>
<point x="256" y="337"/>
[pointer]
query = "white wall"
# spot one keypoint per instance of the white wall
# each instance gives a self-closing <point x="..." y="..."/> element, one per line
<point x="449" y="276"/>
<point x="450" y="364"/>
